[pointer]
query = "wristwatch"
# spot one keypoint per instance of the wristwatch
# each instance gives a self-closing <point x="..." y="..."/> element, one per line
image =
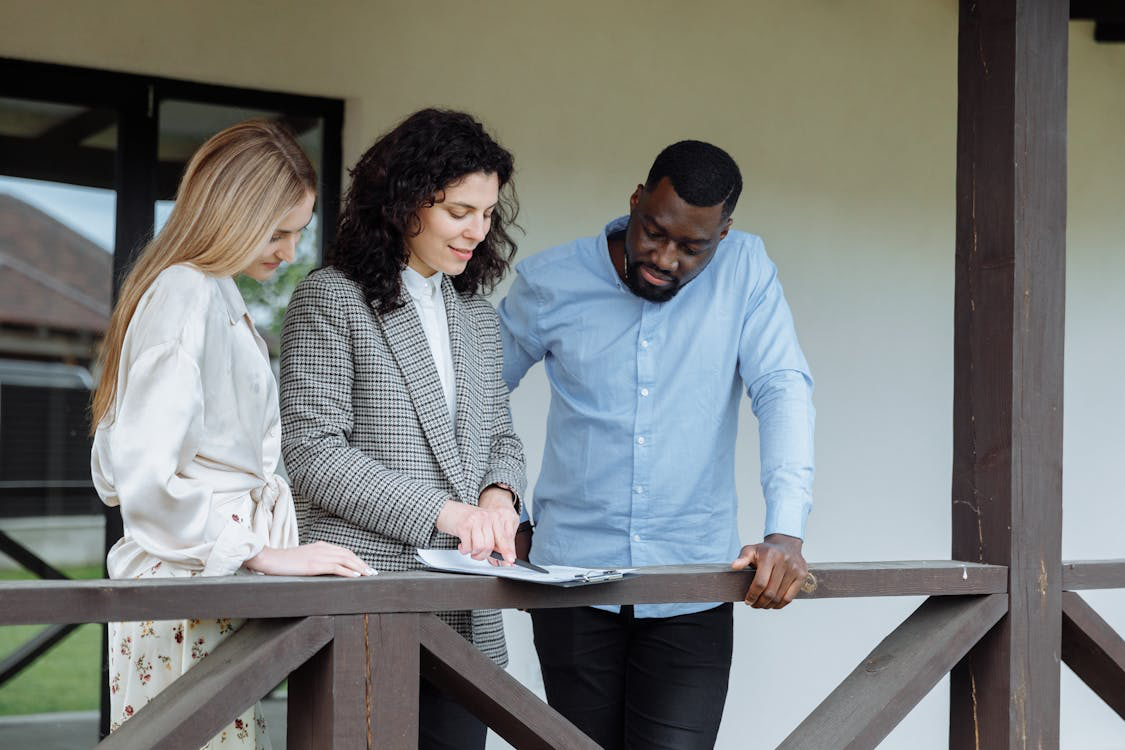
<point x="511" y="491"/>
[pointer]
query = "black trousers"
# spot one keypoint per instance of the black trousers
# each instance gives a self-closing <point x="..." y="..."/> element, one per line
<point x="636" y="683"/>
<point x="444" y="724"/>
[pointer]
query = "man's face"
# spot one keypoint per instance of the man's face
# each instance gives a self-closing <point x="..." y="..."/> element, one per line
<point x="668" y="241"/>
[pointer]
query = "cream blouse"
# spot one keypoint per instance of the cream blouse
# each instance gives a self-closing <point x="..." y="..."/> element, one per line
<point x="190" y="447"/>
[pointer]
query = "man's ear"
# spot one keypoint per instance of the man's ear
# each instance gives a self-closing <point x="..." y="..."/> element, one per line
<point x="635" y="198"/>
<point x="726" y="228"/>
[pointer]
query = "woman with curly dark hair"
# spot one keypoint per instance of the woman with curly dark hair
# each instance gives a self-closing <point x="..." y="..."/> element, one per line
<point x="396" y="428"/>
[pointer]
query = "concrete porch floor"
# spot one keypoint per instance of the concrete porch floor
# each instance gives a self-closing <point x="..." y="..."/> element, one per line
<point x="78" y="730"/>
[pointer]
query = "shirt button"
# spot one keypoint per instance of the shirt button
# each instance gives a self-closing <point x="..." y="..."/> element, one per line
<point x="636" y="537"/>
<point x="639" y="490"/>
<point x="644" y="344"/>
<point x="644" y="391"/>
<point x="641" y="440"/>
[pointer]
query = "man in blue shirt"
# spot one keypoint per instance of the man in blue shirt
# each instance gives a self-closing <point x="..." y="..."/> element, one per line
<point x="649" y="332"/>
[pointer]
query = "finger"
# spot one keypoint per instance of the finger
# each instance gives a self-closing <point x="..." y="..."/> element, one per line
<point x="505" y="542"/>
<point x="791" y="593"/>
<point x="790" y="582"/>
<point x="482" y="541"/>
<point x="771" y="595"/>
<point x="746" y="558"/>
<point x="343" y="570"/>
<point x="355" y="563"/>
<point x="758" y="585"/>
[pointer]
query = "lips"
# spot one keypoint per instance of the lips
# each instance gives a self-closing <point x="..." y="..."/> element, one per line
<point x="462" y="254"/>
<point x="653" y="278"/>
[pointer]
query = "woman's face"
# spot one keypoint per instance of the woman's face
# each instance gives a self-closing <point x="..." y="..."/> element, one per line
<point x="453" y="227"/>
<point x="282" y="242"/>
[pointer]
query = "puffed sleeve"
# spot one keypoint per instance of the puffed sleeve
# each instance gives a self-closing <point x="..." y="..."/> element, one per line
<point x="157" y="430"/>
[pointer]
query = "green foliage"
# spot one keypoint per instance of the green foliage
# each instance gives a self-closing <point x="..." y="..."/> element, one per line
<point x="66" y="678"/>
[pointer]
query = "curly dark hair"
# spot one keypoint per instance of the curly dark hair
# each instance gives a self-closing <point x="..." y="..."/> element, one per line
<point x="405" y="170"/>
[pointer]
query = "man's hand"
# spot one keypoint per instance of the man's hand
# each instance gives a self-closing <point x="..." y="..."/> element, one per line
<point x="489" y="526"/>
<point x="780" y="571"/>
<point x="523" y="541"/>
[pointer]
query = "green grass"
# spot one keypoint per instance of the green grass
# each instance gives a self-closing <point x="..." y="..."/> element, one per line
<point x="66" y="678"/>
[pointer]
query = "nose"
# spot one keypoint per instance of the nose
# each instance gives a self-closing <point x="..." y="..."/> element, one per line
<point x="288" y="252"/>
<point x="666" y="257"/>
<point x="476" y="229"/>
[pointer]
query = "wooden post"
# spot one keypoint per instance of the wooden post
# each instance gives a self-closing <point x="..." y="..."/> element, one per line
<point x="1008" y="360"/>
<point x="328" y="693"/>
<point x="392" y="661"/>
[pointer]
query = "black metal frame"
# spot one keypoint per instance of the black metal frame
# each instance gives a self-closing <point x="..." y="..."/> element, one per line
<point x="136" y="100"/>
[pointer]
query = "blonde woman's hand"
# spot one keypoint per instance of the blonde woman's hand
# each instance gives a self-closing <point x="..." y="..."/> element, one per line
<point x="316" y="559"/>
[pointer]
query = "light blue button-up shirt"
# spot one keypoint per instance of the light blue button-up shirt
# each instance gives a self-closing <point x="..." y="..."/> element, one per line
<point x="638" y="468"/>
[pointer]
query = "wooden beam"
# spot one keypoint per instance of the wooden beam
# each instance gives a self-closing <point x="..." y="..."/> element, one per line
<point x="29" y="560"/>
<point x="902" y="669"/>
<point x="31" y="649"/>
<point x="393" y="654"/>
<point x="1093" y="574"/>
<point x="77" y="128"/>
<point x="243" y="668"/>
<point x="493" y="695"/>
<point x="1094" y="651"/>
<point x="271" y="596"/>
<point x="1008" y="360"/>
<point x="1107" y="31"/>
<point x="327" y="706"/>
<point x="1097" y="10"/>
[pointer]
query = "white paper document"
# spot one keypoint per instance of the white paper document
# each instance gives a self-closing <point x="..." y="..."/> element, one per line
<point x="452" y="561"/>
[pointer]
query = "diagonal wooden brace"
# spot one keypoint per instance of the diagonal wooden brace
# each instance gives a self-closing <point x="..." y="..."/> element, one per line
<point x="874" y="698"/>
<point x="242" y="669"/>
<point x="497" y="698"/>
<point x="1094" y="651"/>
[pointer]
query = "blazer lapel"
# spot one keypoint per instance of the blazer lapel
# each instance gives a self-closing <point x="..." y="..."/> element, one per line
<point x="411" y="350"/>
<point x="468" y="374"/>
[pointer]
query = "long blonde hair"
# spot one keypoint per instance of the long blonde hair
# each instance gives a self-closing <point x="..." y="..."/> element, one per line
<point x="234" y="191"/>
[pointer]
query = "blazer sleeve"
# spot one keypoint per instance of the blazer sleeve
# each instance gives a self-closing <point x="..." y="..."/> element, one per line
<point x="317" y="420"/>
<point x="506" y="463"/>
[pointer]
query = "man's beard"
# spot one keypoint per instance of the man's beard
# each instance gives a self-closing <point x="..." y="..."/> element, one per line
<point x="640" y="287"/>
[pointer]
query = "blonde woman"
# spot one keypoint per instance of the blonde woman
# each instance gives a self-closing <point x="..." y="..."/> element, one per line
<point x="187" y="435"/>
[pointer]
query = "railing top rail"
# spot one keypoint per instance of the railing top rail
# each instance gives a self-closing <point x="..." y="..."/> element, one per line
<point x="28" y="602"/>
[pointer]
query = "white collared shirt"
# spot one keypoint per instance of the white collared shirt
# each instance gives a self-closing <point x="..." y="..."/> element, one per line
<point x="428" y="299"/>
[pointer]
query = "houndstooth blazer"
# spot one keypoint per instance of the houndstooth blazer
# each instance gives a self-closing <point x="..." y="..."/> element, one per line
<point x="366" y="436"/>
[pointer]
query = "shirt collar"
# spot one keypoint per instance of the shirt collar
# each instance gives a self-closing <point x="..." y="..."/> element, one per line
<point x="236" y="306"/>
<point x="617" y="225"/>
<point x="418" y="286"/>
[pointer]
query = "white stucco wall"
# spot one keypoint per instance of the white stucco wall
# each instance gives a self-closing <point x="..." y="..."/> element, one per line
<point x="843" y="117"/>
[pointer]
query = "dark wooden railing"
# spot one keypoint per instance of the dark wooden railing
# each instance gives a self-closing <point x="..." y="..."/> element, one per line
<point x="355" y="648"/>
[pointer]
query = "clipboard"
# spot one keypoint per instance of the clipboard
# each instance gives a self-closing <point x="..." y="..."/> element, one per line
<point x="564" y="576"/>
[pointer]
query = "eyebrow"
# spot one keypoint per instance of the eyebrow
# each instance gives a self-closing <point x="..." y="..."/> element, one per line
<point x="279" y="230"/>
<point x="682" y="240"/>
<point x="469" y="206"/>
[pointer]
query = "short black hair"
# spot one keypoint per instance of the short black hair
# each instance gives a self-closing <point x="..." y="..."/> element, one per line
<point x="405" y="170"/>
<point x="702" y="174"/>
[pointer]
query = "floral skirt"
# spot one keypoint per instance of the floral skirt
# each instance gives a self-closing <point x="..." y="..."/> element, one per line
<point x="146" y="657"/>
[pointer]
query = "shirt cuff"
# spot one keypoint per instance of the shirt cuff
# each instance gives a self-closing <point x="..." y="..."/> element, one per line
<point x="787" y="518"/>
<point x="236" y="544"/>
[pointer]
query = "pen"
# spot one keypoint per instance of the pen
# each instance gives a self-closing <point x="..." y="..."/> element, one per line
<point x="522" y="564"/>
